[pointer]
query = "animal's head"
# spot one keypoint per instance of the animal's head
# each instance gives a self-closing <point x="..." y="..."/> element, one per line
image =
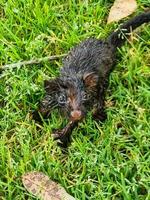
<point x="70" y="94"/>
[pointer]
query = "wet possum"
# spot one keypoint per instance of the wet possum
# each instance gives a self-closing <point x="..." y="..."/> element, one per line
<point x="83" y="78"/>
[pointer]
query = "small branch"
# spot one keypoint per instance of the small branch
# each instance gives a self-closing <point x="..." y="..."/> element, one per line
<point x="31" y="62"/>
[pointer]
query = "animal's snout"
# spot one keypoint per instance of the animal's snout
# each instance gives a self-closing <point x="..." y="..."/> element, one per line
<point x="76" y="115"/>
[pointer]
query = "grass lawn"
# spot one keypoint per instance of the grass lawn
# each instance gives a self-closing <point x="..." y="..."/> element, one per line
<point x="106" y="161"/>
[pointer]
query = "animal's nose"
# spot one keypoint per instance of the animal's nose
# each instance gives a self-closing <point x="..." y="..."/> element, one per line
<point x="76" y="114"/>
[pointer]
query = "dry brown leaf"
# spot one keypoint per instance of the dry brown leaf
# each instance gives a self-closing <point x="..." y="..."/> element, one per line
<point x="41" y="186"/>
<point x="121" y="9"/>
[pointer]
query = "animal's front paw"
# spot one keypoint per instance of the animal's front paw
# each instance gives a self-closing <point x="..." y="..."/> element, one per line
<point x="58" y="134"/>
<point x="63" y="139"/>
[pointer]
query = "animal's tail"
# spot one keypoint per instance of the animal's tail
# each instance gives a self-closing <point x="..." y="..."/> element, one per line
<point x="118" y="37"/>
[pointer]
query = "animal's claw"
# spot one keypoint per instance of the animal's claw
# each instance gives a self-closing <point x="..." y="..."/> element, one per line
<point x="61" y="137"/>
<point x="64" y="135"/>
<point x="56" y="134"/>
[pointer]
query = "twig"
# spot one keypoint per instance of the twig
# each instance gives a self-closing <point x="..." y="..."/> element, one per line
<point x="31" y="62"/>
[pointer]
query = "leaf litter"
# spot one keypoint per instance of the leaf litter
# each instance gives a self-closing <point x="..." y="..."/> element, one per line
<point x="121" y="9"/>
<point x="44" y="188"/>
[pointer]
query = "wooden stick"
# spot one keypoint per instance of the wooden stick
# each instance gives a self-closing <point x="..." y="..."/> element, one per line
<point x="31" y="62"/>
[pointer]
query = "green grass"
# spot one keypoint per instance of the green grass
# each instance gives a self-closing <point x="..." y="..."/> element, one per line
<point x="105" y="161"/>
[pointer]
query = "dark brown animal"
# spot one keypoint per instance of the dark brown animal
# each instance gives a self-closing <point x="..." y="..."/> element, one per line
<point x="83" y="78"/>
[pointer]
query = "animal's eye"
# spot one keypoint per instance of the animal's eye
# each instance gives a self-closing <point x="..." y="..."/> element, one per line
<point x="62" y="99"/>
<point x="85" y="96"/>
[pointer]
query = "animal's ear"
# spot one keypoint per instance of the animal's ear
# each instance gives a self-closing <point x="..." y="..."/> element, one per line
<point x="51" y="86"/>
<point x="90" y="79"/>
